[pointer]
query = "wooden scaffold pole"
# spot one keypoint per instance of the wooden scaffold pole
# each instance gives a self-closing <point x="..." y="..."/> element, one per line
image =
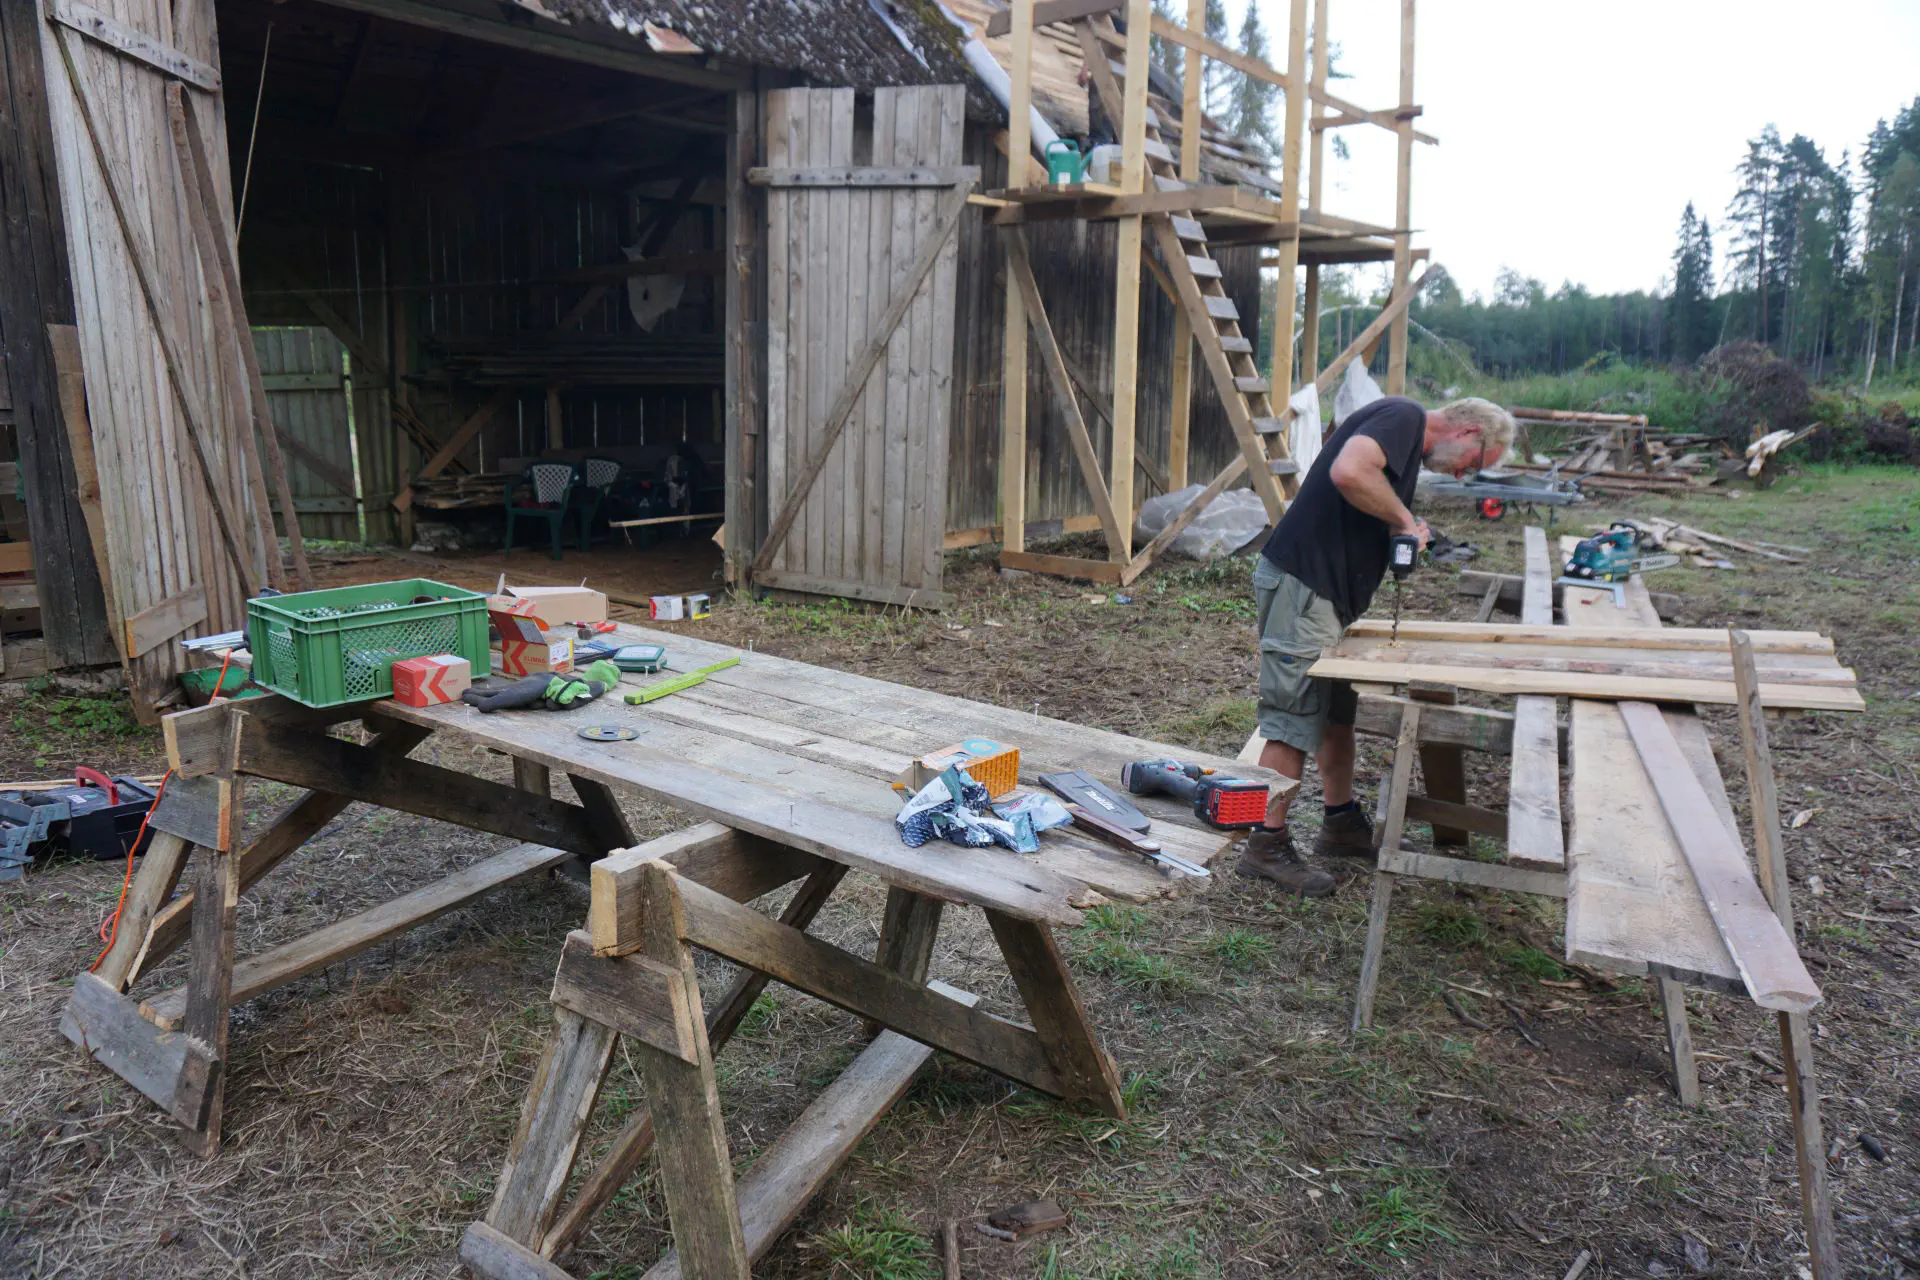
<point x="1013" y="362"/>
<point x="1290" y="201"/>
<point x="1403" y="204"/>
<point x="1316" y="181"/>
<point x="1126" y="289"/>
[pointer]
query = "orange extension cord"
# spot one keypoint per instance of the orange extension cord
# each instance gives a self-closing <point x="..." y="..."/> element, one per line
<point x="110" y="927"/>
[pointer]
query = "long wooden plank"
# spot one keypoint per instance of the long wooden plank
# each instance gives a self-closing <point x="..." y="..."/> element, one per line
<point x="1020" y="272"/>
<point x="947" y="219"/>
<point x="1690" y="639"/>
<point x="1013" y="351"/>
<point x="868" y="176"/>
<point x="1768" y="963"/>
<point x="729" y="862"/>
<point x="1046" y="12"/>
<point x="175" y="1070"/>
<point x="636" y="996"/>
<point x="342" y="939"/>
<point x="820" y="969"/>
<point x="566" y="1083"/>
<point x="1595" y="660"/>
<point x="1580" y="685"/>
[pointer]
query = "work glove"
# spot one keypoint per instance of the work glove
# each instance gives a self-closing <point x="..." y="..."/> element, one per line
<point x="582" y="686"/>
<point x="524" y="692"/>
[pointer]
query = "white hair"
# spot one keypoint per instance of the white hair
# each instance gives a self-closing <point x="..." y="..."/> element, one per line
<point x="1495" y="423"/>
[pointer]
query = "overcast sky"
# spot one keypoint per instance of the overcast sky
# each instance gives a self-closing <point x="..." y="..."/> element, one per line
<point x="1572" y="135"/>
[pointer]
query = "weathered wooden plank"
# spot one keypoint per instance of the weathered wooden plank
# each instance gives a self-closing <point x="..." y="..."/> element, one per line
<point x="865" y="176"/>
<point x="729" y="862"/>
<point x="1768" y="963"/>
<point x="321" y="763"/>
<point x="174" y="1069"/>
<point x="1577" y="684"/>
<point x="1072" y="1046"/>
<point x="859" y="986"/>
<point x="133" y="43"/>
<point x="634" y="995"/>
<point x="343" y="939"/>
<point x="791" y="1172"/>
<point x="552" y="1119"/>
<point x="161" y="622"/>
<point x="696" y="1168"/>
<point x="209" y="990"/>
<point x="1691" y="639"/>
<point x="494" y="1256"/>
<point x="635" y="1140"/>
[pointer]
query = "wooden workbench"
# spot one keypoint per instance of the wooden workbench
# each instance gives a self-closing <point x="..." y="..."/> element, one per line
<point x="784" y="769"/>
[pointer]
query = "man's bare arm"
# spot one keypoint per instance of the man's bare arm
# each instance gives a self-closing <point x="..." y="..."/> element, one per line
<point x="1360" y="474"/>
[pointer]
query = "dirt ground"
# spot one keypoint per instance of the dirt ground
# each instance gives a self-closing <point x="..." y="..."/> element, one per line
<point x="369" y="1105"/>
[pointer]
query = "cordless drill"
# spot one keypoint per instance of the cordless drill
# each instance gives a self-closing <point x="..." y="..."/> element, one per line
<point x="1229" y="804"/>
<point x="1403" y="552"/>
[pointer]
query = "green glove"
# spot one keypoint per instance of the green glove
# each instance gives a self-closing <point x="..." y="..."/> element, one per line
<point x="565" y="692"/>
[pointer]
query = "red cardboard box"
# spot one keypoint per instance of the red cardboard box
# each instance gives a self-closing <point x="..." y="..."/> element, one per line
<point x="428" y="682"/>
<point x="516" y="657"/>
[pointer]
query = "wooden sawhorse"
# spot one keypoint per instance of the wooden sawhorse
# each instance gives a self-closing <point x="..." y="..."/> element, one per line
<point x="172" y="1045"/>
<point x="631" y="974"/>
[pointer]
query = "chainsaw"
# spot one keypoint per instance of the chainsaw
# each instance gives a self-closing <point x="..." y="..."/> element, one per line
<point x="1609" y="559"/>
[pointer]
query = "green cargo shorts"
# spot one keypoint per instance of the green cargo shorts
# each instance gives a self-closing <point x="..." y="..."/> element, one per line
<point x="1295" y="625"/>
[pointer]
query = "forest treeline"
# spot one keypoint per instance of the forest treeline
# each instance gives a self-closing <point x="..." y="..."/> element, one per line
<point x="1817" y="258"/>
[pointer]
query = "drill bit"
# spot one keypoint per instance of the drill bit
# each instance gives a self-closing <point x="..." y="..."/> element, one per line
<point x="1394" y="639"/>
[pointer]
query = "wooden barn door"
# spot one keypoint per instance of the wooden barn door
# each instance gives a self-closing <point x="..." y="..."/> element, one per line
<point x="134" y="94"/>
<point x="861" y="265"/>
<point x="305" y="376"/>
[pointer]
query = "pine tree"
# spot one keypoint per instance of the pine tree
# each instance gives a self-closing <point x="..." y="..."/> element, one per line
<point x="1750" y="215"/>
<point x="1250" y="112"/>
<point x="1216" y="80"/>
<point x="1688" y="312"/>
<point x="1167" y="55"/>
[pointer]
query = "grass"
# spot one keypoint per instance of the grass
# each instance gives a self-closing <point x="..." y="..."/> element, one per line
<point x="1402" y="1221"/>
<point x="1242" y="949"/>
<point x="53" y="727"/>
<point x="1450" y="926"/>
<point x="876" y="1244"/>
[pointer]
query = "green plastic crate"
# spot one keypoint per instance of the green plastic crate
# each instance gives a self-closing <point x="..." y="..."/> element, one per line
<point x="325" y="648"/>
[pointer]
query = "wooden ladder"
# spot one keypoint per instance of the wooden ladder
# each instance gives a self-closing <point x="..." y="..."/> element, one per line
<point x="1211" y="314"/>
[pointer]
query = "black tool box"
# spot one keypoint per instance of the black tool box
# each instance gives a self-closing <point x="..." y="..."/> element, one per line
<point x="97" y="817"/>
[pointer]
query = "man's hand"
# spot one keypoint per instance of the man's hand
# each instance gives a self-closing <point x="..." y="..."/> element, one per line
<point x="1415" y="527"/>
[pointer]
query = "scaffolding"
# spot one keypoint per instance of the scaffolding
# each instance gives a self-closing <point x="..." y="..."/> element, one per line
<point x="1169" y="224"/>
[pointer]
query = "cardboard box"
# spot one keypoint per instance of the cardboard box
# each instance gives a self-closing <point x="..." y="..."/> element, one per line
<point x="548" y="654"/>
<point x="557" y="606"/>
<point x="666" y="608"/>
<point x="428" y="682"/>
<point x="992" y="764"/>
<point x="699" y="605"/>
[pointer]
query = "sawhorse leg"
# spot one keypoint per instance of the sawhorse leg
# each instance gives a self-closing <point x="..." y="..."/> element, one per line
<point x="1393" y="824"/>
<point x="1686" y="1072"/>
<point x="1053" y="1002"/>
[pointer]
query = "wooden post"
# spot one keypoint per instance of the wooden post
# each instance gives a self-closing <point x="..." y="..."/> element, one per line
<point x="210" y="978"/>
<point x="1126" y="288"/>
<point x="1013" y="360"/>
<point x="1289" y="248"/>
<point x="740" y="286"/>
<point x="1192" y="124"/>
<point x="1393" y="807"/>
<point x="1316" y="182"/>
<point x="1796" y="1041"/>
<point x="695" y="1167"/>
<point x="1403" y="205"/>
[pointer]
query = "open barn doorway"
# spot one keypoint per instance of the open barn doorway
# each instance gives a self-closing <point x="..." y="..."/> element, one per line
<point x="517" y="254"/>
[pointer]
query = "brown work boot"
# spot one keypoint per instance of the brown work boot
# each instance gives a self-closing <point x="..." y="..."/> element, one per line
<point x="1270" y="855"/>
<point x="1345" y="835"/>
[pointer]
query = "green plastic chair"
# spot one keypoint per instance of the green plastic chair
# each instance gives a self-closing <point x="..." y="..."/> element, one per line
<point x="548" y="487"/>
<point x="597" y="478"/>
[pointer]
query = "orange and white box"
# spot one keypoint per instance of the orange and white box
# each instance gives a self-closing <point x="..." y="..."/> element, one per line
<point x="430" y="681"/>
<point x="546" y="655"/>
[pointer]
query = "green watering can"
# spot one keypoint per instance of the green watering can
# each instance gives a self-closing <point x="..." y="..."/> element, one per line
<point x="1065" y="164"/>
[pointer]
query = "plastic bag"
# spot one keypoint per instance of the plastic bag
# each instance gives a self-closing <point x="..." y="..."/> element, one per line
<point x="1303" y="433"/>
<point x="954" y="807"/>
<point x="1229" y="522"/>
<point x="1357" y="390"/>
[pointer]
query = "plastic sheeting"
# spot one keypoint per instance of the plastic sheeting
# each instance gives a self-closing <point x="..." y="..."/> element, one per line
<point x="1229" y="522"/>
<point x="1357" y="390"/>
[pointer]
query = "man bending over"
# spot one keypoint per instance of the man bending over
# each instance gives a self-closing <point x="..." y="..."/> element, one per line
<point x="1317" y="574"/>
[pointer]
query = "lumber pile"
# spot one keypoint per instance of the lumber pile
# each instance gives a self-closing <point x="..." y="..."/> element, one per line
<point x="449" y="493"/>
<point x="1621" y="451"/>
<point x="1705" y="550"/>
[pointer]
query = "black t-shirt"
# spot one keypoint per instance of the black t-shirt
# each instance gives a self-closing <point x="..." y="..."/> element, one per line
<point x="1328" y="543"/>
